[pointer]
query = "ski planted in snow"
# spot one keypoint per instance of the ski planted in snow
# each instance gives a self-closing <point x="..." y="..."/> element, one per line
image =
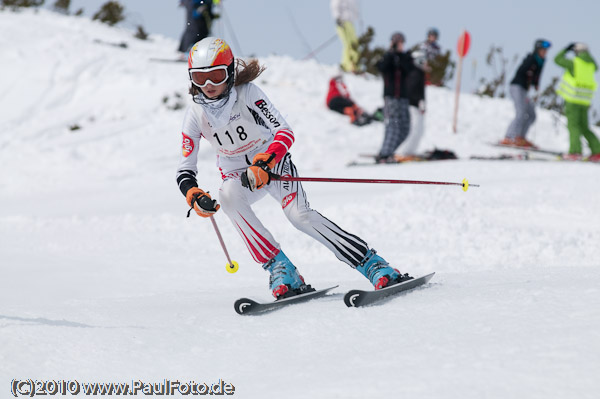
<point x="357" y="298"/>
<point x="247" y="306"/>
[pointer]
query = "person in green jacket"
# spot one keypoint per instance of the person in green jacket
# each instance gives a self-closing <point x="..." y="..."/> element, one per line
<point x="345" y="13"/>
<point x="577" y="88"/>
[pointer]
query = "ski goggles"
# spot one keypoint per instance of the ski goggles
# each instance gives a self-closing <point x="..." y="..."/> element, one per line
<point x="543" y="44"/>
<point x="216" y="76"/>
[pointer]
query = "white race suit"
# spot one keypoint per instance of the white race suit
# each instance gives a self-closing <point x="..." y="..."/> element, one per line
<point x="255" y="126"/>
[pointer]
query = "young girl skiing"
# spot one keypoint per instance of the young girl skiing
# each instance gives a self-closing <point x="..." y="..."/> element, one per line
<point x="252" y="139"/>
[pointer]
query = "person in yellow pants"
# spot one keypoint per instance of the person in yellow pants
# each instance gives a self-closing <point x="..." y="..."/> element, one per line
<point x="577" y="88"/>
<point x="345" y="13"/>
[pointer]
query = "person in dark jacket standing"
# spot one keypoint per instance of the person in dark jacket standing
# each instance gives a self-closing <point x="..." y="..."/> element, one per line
<point x="527" y="75"/>
<point x="395" y="66"/>
<point x="198" y="19"/>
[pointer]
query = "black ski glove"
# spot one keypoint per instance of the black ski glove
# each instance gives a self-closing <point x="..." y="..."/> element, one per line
<point x="201" y="202"/>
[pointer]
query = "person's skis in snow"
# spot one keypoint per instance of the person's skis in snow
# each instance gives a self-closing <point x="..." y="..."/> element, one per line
<point x="527" y="75"/>
<point x="251" y="139"/>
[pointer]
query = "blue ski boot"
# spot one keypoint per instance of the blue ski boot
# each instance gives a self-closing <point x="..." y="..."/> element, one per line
<point x="379" y="272"/>
<point x="285" y="280"/>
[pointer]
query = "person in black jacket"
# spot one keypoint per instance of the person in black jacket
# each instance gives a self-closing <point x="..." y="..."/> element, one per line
<point x="527" y="75"/>
<point x="395" y="66"/>
<point x="199" y="16"/>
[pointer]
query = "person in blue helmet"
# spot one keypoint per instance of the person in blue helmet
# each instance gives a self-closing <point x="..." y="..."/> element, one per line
<point x="527" y="76"/>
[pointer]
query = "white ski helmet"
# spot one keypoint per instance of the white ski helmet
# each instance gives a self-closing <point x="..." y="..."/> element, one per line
<point x="211" y="60"/>
<point x="580" y="48"/>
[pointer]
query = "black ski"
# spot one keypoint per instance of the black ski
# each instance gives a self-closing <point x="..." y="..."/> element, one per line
<point x="397" y="160"/>
<point x="114" y="44"/>
<point x="356" y="298"/>
<point x="175" y="60"/>
<point x="509" y="157"/>
<point x="434" y="155"/>
<point x="247" y="306"/>
<point x="371" y="163"/>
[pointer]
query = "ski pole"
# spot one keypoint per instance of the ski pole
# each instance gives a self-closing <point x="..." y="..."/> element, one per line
<point x="535" y="103"/>
<point x="321" y="47"/>
<point x="465" y="183"/>
<point x="205" y="202"/>
<point x="232" y="266"/>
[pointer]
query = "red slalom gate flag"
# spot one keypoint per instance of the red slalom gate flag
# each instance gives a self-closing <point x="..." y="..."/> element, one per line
<point x="464" y="43"/>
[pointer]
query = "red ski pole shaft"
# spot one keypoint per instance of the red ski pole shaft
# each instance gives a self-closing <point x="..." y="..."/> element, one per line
<point x="214" y="223"/>
<point x="465" y="184"/>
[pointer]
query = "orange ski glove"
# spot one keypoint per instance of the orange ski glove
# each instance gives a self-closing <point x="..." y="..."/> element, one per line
<point x="257" y="175"/>
<point x="201" y="202"/>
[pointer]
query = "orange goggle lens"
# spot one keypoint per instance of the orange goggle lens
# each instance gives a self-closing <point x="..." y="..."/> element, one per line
<point x="202" y="77"/>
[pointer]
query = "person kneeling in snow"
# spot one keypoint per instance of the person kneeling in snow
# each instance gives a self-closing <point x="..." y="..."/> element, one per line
<point x="339" y="100"/>
<point x="252" y="140"/>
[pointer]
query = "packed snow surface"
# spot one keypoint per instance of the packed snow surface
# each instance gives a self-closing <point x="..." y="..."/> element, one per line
<point x="104" y="279"/>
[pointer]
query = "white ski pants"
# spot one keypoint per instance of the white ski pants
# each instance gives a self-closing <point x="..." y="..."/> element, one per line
<point x="417" y="128"/>
<point x="236" y="202"/>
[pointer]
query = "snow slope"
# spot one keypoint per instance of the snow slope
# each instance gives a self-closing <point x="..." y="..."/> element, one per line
<point x="103" y="279"/>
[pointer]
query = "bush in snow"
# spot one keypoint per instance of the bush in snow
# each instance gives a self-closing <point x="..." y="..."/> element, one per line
<point x="62" y="6"/>
<point x="110" y="13"/>
<point x="22" y="3"/>
<point x="367" y="58"/>
<point x="175" y="103"/>
<point x="496" y="86"/>
<point x="442" y="69"/>
<point x="548" y="99"/>
<point x="141" y="33"/>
